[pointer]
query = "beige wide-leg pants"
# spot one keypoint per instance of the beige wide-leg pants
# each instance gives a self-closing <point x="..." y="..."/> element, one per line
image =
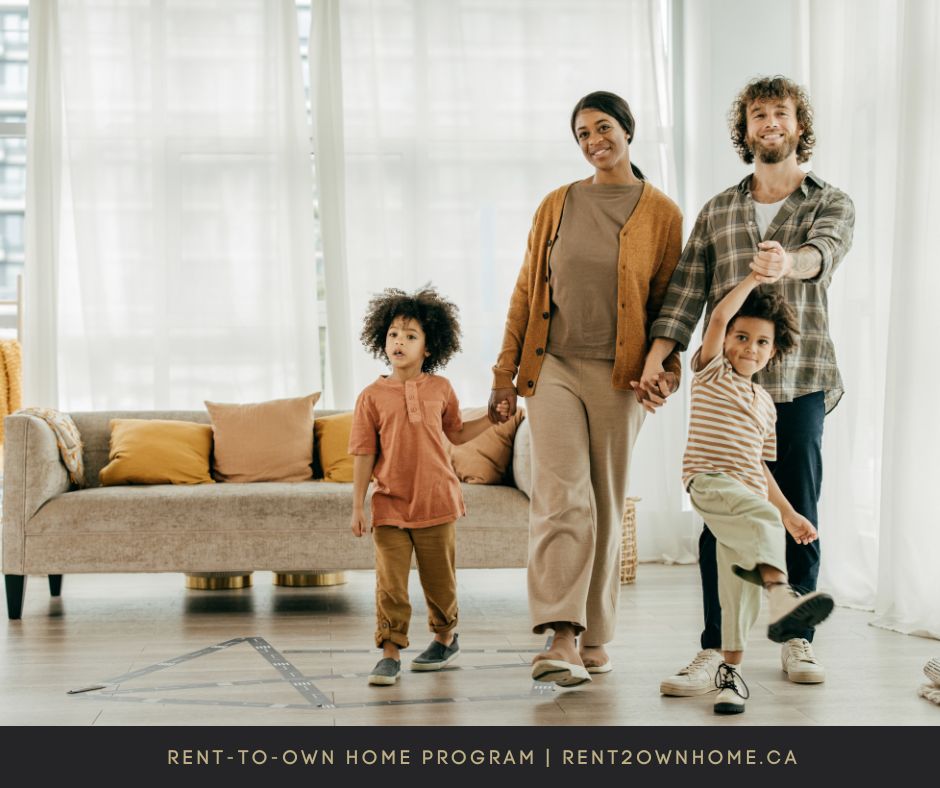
<point x="583" y="431"/>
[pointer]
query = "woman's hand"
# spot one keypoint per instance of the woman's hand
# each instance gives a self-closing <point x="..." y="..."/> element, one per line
<point x="502" y="405"/>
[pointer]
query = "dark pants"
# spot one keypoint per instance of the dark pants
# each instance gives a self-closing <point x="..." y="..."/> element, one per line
<point x="798" y="471"/>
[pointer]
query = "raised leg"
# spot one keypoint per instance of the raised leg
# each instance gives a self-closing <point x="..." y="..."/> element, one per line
<point x="55" y="585"/>
<point x="16" y="590"/>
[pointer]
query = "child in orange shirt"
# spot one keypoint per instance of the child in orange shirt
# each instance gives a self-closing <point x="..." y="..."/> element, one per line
<point x="397" y="437"/>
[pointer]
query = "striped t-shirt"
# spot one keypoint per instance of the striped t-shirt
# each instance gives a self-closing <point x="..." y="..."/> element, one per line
<point x="731" y="426"/>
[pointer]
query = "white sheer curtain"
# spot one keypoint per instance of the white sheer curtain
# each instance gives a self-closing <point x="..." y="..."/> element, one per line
<point x="455" y="124"/>
<point x="171" y="212"/>
<point x="853" y="74"/>
<point x="875" y="79"/>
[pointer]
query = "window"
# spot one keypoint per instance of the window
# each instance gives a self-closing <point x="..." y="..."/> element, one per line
<point x="14" y="26"/>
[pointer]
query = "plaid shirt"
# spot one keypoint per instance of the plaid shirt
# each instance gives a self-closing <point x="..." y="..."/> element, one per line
<point x="717" y="256"/>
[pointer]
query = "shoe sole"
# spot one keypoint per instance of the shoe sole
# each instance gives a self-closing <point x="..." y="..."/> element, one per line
<point x="596" y="669"/>
<point x="804" y="678"/>
<point x="729" y="708"/>
<point x="564" y="674"/>
<point x="425" y="666"/>
<point x="676" y="691"/>
<point x="383" y="681"/>
<point x="932" y="671"/>
<point x="808" y="614"/>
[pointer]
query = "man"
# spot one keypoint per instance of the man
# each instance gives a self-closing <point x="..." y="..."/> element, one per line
<point x="792" y="229"/>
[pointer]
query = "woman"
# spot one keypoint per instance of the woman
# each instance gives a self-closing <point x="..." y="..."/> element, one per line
<point x="599" y="258"/>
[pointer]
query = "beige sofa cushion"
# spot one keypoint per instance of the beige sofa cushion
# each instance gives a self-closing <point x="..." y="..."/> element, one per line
<point x="158" y="451"/>
<point x="263" y="441"/>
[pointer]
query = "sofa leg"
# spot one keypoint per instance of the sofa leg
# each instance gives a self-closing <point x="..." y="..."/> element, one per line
<point x="16" y="590"/>
<point x="55" y="585"/>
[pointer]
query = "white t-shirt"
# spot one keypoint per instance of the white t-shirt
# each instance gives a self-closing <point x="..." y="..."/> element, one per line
<point x="766" y="211"/>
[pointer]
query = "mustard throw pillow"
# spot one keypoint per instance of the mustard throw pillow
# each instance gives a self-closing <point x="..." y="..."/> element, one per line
<point x="263" y="441"/>
<point x="332" y="433"/>
<point x="486" y="458"/>
<point x="156" y="451"/>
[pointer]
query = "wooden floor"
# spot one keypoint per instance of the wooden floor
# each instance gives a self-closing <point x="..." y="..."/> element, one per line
<point x="168" y="656"/>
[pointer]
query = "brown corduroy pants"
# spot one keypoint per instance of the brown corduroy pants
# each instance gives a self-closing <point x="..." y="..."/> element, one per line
<point x="583" y="431"/>
<point x="434" y="548"/>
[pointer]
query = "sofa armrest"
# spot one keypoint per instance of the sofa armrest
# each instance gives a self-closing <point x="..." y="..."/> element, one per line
<point x="33" y="473"/>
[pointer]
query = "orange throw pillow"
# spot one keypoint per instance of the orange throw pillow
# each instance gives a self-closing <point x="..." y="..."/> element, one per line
<point x="263" y="441"/>
<point x="332" y="434"/>
<point x="157" y="451"/>
<point x="486" y="459"/>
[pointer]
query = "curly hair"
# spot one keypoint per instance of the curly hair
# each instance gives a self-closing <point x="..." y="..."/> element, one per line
<point x="765" y="89"/>
<point x="436" y="315"/>
<point x="767" y="305"/>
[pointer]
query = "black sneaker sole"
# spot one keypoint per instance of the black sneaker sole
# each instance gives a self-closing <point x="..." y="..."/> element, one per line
<point x="808" y="614"/>
<point x="729" y="708"/>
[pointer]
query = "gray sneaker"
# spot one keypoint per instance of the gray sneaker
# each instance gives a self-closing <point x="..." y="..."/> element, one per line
<point x="436" y="656"/>
<point x="386" y="671"/>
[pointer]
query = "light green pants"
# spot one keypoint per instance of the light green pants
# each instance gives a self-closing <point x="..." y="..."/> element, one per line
<point x="749" y="532"/>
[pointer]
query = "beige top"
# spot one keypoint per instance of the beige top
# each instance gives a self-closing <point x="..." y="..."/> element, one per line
<point x="403" y="423"/>
<point x="583" y="269"/>
<point x="731" y="426"/>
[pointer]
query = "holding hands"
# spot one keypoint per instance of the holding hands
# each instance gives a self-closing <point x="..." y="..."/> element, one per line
<point x="502" y="405"/>
<point x="771" y="263"/>
<point x="654" y="385"/>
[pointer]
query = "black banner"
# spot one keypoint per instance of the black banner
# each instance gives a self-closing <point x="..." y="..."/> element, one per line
<point x="720" y="755"/>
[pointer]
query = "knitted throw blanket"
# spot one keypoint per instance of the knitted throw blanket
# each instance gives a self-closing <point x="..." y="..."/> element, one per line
<point x="11" y="373"/>
<point x="68" y="439"/>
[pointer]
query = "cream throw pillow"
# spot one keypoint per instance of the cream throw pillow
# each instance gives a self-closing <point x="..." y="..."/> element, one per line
<point x="263" y="441"/>
<point x="157" y="451"/>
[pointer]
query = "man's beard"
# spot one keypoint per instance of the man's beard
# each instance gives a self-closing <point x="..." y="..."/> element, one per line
<point x="774" y="155"/>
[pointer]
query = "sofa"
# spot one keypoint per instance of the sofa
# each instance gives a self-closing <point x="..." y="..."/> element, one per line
<point x="50" y="528"/>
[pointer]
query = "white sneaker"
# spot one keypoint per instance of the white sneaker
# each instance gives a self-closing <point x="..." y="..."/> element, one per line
<point x="800" y="663"/>
<point x="932" y="670"/>
<point x="931" y="692"/>
<point x="732" y="691"/>
<point x="696" y="678"/>
<point x="791" y="612"/>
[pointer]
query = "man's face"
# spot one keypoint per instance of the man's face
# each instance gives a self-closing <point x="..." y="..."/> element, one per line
<point x="772" y="130"/>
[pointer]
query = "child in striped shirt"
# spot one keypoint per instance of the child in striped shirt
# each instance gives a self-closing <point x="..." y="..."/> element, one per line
<point x="731" y="434"/>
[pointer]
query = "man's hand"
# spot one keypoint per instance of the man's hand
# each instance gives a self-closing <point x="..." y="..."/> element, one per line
<point x="358" y="523"/>
<point x="771" y="263"/>
<point x="497" y="412"/>
<point x="799" y="528"/>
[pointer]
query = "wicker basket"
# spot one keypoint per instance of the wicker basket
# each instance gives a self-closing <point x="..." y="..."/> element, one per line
<point x="628" y="557"/>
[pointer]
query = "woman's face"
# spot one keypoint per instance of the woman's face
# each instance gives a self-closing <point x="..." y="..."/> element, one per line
<point x="603" y="140"/>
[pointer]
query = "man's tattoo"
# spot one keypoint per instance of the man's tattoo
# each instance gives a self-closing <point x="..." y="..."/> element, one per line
<point x="807" y="262"/>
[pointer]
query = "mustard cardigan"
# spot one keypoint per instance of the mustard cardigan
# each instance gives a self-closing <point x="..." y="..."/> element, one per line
<point x="650" y="243"/>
